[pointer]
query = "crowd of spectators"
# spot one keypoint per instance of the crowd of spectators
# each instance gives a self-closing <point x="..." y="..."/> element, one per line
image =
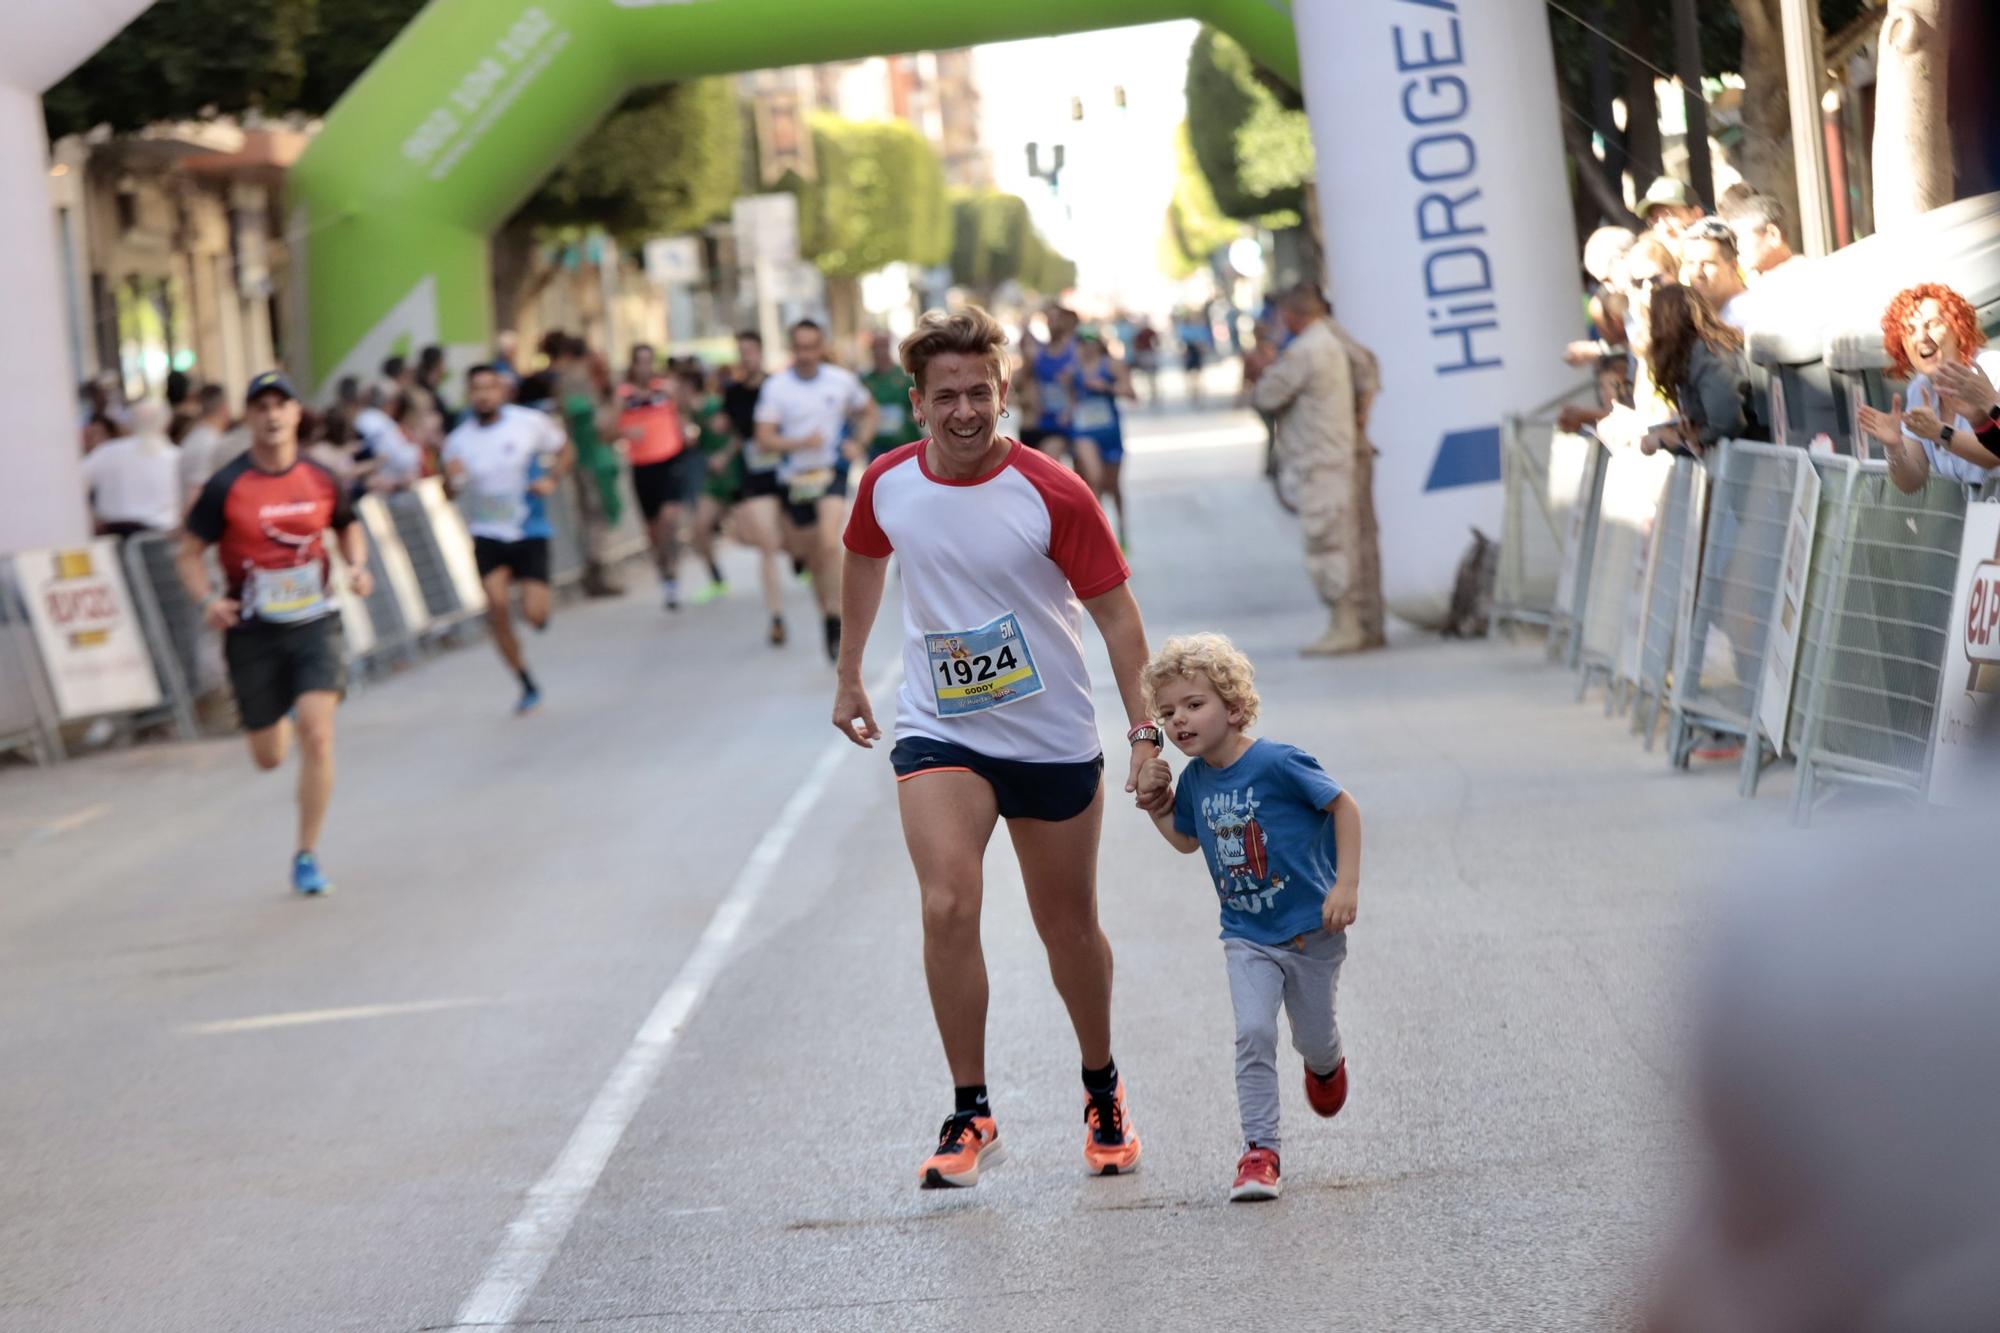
<point x="1670" y="310"/>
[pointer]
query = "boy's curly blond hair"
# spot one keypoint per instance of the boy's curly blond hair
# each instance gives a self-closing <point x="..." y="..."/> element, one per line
<point x="1204" y="655"/>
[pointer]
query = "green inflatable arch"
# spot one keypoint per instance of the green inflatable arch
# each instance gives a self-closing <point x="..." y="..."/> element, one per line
<point x="470" y="108"/>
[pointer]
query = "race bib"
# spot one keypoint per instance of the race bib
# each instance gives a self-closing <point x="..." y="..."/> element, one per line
<point x="495" y="510"/>
<point x="1055" y="398"/>
<point x="1093" y="414"/>
<point x="807" y="487"/>
<point x="977" y="669"/>
<point x="891" y="418"/>
<point x="286" y="596"/>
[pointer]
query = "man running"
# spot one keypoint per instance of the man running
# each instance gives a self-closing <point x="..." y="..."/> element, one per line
<point x="1003" y="550"/>
<point x="808" y="413"/>
<point x="759" y="515"/>
<point x="665" y="475"/>
<point x="889" y="385"/>
<point x="504" y="461"/>
<point x="268" y="511"/>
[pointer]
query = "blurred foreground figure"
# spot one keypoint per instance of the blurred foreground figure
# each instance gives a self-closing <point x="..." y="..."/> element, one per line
<point x="1848" y="1080"/>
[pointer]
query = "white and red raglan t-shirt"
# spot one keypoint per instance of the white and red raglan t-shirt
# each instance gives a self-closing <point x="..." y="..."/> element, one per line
<point x="995" y="571"/>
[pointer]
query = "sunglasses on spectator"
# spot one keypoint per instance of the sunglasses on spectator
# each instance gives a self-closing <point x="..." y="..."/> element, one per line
<point x="1656" y="281"/>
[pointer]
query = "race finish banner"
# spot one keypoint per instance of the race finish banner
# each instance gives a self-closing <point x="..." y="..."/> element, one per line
<point x="87" y="631"/>
<point x="1964" y="765"/>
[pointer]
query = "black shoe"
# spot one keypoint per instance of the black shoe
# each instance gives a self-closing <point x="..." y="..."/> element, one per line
<point x="777" y="631"/>
<point x="833" y="638"/>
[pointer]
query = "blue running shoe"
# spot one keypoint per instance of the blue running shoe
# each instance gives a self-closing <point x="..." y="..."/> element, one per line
<point x="531" y="699"/>
<point x="306" y="876"/>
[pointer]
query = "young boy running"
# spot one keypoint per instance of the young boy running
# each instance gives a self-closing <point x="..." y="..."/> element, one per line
<point x="1283" y="844"/>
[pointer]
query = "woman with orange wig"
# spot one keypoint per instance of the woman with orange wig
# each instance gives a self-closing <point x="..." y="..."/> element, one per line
<point x="1925" y="329"/>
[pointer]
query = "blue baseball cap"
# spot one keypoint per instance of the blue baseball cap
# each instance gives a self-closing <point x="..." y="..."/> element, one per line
<point x="271" y="381"/>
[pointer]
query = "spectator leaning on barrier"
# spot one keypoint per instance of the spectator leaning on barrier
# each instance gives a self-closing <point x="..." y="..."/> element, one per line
<point x="1669" y="208"/>
<point x="1697" y="362"/>
<point x="134" y="481"/>
<point x="1758" y="222"/>
<point x="1709" y="265"/>
<point x="1925" y="329"/>
<point x="1603" y="259"/>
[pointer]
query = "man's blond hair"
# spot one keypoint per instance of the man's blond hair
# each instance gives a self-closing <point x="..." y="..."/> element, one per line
<point x="967" y="331"/>
<point x="1209" y="656"/>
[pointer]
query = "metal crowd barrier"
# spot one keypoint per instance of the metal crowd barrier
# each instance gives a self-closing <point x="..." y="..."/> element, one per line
<point x="1541" y="478"/>
<point x="1628" y="506"/>
<point x="1572" y="595"/>
<point x="433" y="535"/>
<point x="1719" y="668"/>
<point x="1833" y="530"/>
<point x="155" y="586"/>
<point x="1676" y="545"/>
<point x="24" y="703"/>
<point x="1878" y="642"/>
<point x="567" y="558"/>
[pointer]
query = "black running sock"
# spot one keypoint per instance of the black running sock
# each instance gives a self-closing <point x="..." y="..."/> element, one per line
<point x="527" y="681"/>
<point x="972" y="1100"/>
<point x="1104" y="1081"/>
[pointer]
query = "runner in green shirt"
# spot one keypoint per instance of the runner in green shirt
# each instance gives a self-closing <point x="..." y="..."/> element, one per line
<point x="722" y="477"/>
<point x="890" y="387"/>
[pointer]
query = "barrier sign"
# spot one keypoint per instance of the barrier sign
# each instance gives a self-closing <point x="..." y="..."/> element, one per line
<point x="1964" y="763"/>
<point x="87" y="630"/>
<point x="1788" y="620"/>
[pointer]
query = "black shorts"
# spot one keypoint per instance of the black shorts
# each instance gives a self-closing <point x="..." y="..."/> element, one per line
<point x="674" y="482"/>
<point x="527" y="558"/>
<point x="270" y="666"/>
<point x="805" y="513"/>
<point x="1054" y="792"/>
<point x="756" y="485"/>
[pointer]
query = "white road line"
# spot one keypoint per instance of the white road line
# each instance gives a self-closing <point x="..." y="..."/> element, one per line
<point x="306" y="1016"/>
<point x="539" y="1229"/>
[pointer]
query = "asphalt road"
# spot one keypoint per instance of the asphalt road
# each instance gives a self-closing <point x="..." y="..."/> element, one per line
<point x="224" y="1108"/>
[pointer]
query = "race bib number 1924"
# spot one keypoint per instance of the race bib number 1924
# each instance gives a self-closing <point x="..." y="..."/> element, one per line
<point x="977" y="669"/>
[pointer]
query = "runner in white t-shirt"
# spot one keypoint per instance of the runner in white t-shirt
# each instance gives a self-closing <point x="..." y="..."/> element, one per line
<point x="820" y="418"/>
<point x="503" y="462"/>
<point x="1003" y="550"/>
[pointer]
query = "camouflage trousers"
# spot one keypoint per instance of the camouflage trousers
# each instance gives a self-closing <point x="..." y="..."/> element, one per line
<point x="1336" y="499"/>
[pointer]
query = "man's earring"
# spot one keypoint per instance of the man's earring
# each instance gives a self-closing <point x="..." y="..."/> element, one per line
<point x="1005" y="413"/>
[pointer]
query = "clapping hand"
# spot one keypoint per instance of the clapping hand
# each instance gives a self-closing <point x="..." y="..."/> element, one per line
<point x="1968" y="392"/>
<point x="1923" y="423"/>
<point x="1884" y="427"/>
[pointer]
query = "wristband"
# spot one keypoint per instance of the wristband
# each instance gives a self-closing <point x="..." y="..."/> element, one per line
<point x="1144" y="731"/>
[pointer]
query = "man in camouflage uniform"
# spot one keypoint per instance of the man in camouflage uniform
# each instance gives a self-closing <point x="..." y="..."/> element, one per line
<point x="1320" y="387"/>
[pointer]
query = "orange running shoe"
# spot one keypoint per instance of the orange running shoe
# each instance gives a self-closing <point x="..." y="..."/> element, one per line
<point x="965" y="1145"/>
<point x="1110" y="1143"/>
<point x="1256" y="1177"/>
<point x="1327" y="1095"/>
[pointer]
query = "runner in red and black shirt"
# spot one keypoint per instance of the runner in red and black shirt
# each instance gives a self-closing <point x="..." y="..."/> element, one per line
<point x="267" y="514"/>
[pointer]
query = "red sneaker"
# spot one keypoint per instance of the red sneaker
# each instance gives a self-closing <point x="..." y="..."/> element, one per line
<point x="966" y="1146"/>
<point x="1256" y="1177"/>
<point x="1327" y="1095"/>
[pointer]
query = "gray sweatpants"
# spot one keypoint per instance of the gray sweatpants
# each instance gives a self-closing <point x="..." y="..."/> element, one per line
<point x="1302" y="976"/>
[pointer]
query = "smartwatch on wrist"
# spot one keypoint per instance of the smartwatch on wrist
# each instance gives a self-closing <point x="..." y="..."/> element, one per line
<point x="1145" y="731"/>
<point x="1944" y="436"/>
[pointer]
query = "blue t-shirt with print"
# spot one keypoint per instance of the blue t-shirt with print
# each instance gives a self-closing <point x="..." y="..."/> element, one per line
<point x="1266" y="836"/>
